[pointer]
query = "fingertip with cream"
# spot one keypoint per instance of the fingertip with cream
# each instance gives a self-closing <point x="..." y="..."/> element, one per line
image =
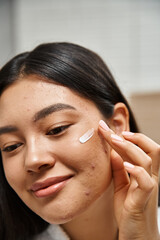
<point x="104" y="125"/>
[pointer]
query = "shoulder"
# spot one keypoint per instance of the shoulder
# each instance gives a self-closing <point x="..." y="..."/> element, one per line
<point x="53" y="232"/>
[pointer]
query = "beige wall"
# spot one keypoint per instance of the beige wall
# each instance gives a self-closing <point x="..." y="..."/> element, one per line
<point x="147" y="112"/>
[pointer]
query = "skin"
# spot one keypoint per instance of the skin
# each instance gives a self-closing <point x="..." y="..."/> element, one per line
<point x="86" y="201"/>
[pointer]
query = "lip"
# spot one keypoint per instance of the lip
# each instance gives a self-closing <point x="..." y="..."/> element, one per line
<point x="50" y="186"/>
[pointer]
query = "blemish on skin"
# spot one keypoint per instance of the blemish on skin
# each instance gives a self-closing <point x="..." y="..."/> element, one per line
<point x="87" y="193"/>
<point x="105" y="150"/>
<point x="93" y="165"/>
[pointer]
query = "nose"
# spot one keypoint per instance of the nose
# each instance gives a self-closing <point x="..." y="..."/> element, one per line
<point x="38" y="157"/>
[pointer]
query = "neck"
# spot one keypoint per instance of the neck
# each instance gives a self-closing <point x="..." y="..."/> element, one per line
<point x="98" y="222"/>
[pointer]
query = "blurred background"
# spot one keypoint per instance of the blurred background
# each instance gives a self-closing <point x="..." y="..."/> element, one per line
<point x="125" y="33"/>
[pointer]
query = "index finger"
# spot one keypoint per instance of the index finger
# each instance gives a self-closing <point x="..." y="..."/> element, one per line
<point x="151" y="148"/>
<point x="129" y="151"/>
<point x="144" y="142"/>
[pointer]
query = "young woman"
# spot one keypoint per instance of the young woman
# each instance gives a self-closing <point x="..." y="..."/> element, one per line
<point x="73" y="165"/>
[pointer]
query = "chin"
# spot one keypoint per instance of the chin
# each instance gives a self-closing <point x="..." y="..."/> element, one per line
<point x="63" y="214"/>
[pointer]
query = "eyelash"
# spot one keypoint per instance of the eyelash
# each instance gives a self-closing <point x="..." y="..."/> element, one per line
<point x="58" y="130"/>
<point x="11" y="148"/>
<point x="55" y="131"/>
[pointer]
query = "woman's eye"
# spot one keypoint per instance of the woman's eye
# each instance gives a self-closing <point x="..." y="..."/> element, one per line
<point x="58" y="130"/>
<point x="11" y="147"/>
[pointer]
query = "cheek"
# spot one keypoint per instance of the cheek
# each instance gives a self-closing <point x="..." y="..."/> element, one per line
<point x="87" y="154"/>
<point x="14" y="174"/>
<point x="91" y="162"/>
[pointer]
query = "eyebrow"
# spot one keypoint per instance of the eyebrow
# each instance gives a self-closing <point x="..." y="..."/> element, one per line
<point x="51" y="109"/>
<point x="7" y="129"/>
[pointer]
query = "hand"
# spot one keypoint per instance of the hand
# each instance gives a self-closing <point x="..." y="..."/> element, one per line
<point x="135" y="197"/>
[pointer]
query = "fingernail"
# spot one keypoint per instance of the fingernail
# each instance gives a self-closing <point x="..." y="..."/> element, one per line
<point x="116" y="137"/>
<point x="126" y="133"/>
<point x="128" y="165"/>
<point x="104" y="125"/>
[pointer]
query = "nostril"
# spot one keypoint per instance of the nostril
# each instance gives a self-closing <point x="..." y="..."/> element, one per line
<point x="30" y="171"/>
<point x="41" y="168"/>
<point x="44" y="166"/>
<point x="36" y="164"/>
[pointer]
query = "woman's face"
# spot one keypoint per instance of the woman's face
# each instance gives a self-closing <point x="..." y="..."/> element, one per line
<point x="52" y="172"/>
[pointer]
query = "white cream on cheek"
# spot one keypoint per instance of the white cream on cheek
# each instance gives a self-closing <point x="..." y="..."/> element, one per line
<point x="86" y="136"/>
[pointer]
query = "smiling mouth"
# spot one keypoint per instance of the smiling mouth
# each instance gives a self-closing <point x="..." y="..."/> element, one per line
<point x="50" y="186"/>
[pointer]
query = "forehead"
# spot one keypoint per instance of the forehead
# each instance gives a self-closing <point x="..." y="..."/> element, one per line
<point x="31" y="94"/>
<point x="33" y="87"/>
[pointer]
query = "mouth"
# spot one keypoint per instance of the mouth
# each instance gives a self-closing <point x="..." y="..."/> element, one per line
<point x="50" y="186"/>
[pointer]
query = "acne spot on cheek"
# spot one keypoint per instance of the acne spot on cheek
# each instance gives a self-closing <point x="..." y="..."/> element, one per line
<point x="105" y="151"/>
<point x="87" y="192"/>
<point x="93" y="166"/>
